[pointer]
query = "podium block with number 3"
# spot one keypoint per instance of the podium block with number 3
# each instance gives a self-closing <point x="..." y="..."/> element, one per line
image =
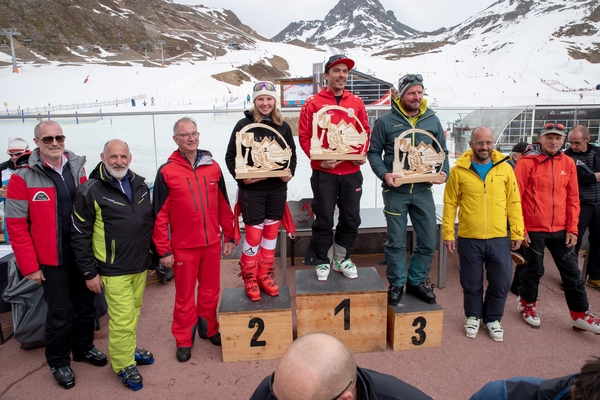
<point x="260" y="330"/>
<point x="414" y="324"/>
<point x="353" y="310"/>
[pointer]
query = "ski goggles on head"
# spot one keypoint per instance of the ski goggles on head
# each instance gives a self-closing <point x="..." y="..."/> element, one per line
<point x="263" y="85"/>
<point x="552" y="125"/>
<point x="411" y="78"/>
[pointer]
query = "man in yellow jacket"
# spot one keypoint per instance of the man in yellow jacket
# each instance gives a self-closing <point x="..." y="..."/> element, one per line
<point x="484" y="188"/>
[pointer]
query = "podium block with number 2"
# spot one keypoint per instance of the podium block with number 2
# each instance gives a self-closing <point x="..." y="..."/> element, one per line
<point x="353" y="310"/>
<point x="260" y="330"/>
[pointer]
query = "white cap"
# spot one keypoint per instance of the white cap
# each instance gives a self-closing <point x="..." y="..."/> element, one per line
<point x="16" y="142"/>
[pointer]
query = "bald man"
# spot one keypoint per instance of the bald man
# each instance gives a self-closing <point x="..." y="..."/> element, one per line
<point x="317" y="366"/>
<point x="112" y="237"/>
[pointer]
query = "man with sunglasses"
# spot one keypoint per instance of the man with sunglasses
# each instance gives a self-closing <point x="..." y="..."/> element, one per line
<point x="334" y="182"/>
<point x="587" y="159"/>
<point x="547" y="181"/>
<point x="409" y="110"/>
<point x="317" y="366"/>
<point x="193" y="216"/>
<point x="38" y="208"/>
<point x="18" y="150"/>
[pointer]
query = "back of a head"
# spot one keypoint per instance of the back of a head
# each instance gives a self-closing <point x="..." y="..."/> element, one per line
<point x="315" y="366"/>
<point x="587" y="385"/>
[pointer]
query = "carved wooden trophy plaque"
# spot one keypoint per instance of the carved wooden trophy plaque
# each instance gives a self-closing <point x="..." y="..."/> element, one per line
<point x="343" y="140"/>
<point x="424" y="161"/>
<point x="265" y="159"/>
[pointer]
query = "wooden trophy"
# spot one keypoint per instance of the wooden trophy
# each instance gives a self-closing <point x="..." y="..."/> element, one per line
<point x="268" y="158"/>
<point x="424" y="161"/>
<point x="343" y="140"/>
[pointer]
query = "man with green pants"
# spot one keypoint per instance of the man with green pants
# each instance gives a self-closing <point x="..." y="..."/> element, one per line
<point x="112" y="237"/>
<point x="409" y="110"/>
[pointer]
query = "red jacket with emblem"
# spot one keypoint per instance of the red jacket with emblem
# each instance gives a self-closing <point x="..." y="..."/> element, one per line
<point x="326" y="98"/>
<point x="193" y="201"/>
<point x="549" y="191"/>
<point x="31" y="213"/>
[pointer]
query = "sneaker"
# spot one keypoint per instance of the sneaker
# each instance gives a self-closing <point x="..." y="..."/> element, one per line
<point x="64" y="376"/>
<point x="131" y="378"/>
<point x="143" y="357"/>
<point x="322" y="272"/>
<point x="517" y="258"/>
<point x="528" y="312"/>
<point x="495" y="330"/>
<point x="585" y="321"/>
<point x="347" y="267"/>
<point x="472" y="327"/>
<point x="594" y="283"/>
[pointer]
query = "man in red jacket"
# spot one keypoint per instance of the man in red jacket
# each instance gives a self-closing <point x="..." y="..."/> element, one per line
<point x="547" y="181"/>
<point x="38" y="218"/>
<point x="334" y="182"/>
<point x="191" y="208"/>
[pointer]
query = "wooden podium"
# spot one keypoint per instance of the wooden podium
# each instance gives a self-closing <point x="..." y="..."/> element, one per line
<point x="414" y="324"/>
<point x="260" y="330"/>
<point x="353" y="310"/>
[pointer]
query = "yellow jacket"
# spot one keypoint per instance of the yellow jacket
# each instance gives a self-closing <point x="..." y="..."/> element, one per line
<point x="484" y="206"/>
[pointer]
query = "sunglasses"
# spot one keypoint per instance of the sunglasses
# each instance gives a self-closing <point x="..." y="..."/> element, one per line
<point x="264" y="85"/>
<point x="552" y="125"/>
<point x="273" y="397"/>
<point x="15" y="153"/>
<point x="50" y="139"/>
<point x="412" y="78"/>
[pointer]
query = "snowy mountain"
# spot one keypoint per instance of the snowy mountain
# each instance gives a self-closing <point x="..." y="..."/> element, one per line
<point x="351" y="23"/>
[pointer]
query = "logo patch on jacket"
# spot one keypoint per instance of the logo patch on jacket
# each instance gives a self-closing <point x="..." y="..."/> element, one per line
<point x="41" y="196"/>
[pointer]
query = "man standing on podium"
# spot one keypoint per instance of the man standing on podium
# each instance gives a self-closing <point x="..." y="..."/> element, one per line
<point x="483" y="185"/>
<point x="334" y="182"/>
<point x="409" y="110"/>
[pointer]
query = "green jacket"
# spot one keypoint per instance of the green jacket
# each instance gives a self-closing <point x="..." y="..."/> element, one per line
<point x="392" y="125"/>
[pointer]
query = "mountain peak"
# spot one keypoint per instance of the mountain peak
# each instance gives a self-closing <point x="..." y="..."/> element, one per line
<point x="350" y="23"/>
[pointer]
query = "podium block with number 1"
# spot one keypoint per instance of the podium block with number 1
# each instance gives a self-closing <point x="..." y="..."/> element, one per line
<point x="353" y="310"/>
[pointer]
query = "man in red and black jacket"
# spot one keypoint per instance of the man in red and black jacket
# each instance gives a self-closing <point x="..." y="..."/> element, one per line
<point x="38" y="218"/>
<point x="191" y="203"/>
<point x="334" y="182"/>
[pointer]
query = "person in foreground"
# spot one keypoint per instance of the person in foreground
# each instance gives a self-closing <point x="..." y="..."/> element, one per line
<point x="112" y="239"/>
<point x="547" y="181"/>
<point x="317" y="366"/>
<point x="262" y="201"/>
<point x="582" y="386"/>
<point x="38" y="218"/>
<point x="409" y="110"/>
<point x="191" y="208"/>
<point x="482" y="184"/>
<point x="334" y="182"/>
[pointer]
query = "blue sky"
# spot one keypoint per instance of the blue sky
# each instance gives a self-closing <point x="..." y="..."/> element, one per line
<point x="269" y="17"/>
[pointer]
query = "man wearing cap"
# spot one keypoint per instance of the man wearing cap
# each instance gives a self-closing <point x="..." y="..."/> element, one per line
<point x="18" y="150"/>
<point x="547" y="181"/>
<point x="38" y="218"/>
<point x="516" y="152"/>
<point x="334" y="182"/>
<point x="409" y="110"/>
<point x="587" y="160"/>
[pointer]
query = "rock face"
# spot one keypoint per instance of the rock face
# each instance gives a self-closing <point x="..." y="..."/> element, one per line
<point x="66" y="30"/>
<point x="351" y="23"/>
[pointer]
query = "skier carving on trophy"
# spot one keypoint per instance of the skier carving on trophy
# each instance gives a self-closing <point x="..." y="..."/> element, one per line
<point x="344" y="141"/>
<point x="263" y="159"/>
<point x="424" y="161"/>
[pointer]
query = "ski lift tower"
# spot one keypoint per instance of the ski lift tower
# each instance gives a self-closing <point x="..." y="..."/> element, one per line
<point x="162" y="56"/>
<point x="145" y="43"/>
<point x="10" y="32"/>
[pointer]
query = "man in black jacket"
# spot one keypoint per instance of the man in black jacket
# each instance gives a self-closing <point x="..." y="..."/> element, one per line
<point x="318" y="366"/>
<point x="112" y="237"/>
<point x="587" y="159"/>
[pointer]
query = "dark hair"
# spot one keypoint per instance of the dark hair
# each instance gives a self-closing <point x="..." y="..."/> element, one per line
<point x="587" y="385"/>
